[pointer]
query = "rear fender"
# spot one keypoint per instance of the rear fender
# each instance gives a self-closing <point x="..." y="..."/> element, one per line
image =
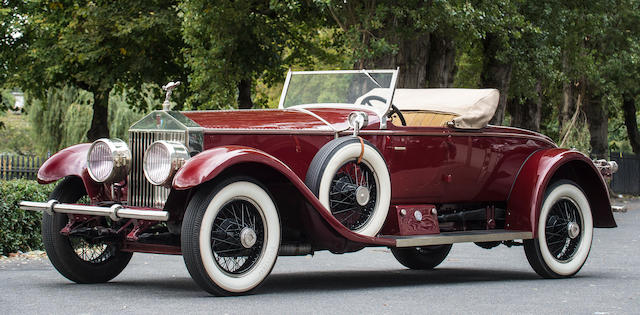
<point x="541" y="169"/>
<point x="209" y="164"/>
<point x="71" y="161"/>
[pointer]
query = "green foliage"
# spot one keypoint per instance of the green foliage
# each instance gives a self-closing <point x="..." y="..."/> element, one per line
<point x="16" y="139"/>
<point x="7" y="100"/>
<point x="96" y="46"/>
<point x="233" y="41"/>
<point x="127" y="51"/>
<point x="19" y="229"/>
<point x="61" y="119"/>
<point x="66" y="116"/>
<point x="122" y="116"/>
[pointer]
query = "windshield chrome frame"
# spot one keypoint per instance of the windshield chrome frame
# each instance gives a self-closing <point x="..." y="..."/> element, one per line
<point x="392" y="86"/>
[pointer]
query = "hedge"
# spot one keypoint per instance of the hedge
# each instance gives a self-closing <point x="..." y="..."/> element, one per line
<point x="19" y="229"/>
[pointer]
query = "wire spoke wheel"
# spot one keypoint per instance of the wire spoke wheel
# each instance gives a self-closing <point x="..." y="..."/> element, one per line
<point x="356" y="194"/>
<point x="77" y="258"/>
<point x="563" y="233"/>
<point x="91" y="253"/>
<point x="230" y="236"/>
<point x="352" y="195"/>
<point x="563" y="220"/>
<point x="237" y="237"/>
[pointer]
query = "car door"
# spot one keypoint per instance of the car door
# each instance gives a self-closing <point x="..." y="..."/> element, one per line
<point x="417" y="157"/>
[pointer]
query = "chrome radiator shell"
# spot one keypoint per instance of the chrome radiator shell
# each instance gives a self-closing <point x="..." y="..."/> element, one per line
<point x="141" y="192"/>
<point x="158" y="125"/>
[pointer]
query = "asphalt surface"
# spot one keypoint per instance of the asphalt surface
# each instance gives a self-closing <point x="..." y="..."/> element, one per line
<point x="471" y="280"/>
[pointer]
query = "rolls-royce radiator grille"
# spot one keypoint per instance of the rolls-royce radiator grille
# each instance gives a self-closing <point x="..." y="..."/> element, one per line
<point x="142" y="193"/>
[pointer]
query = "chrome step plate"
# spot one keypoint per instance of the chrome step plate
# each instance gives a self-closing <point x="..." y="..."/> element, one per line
<point x="460" y="237"/>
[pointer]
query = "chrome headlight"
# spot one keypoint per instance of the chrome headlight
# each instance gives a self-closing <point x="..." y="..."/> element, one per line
<point x="162" y="160"/>
<point x="108" y="160"/>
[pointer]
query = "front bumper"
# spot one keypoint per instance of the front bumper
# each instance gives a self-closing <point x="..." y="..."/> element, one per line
<point x="115" y="212"/>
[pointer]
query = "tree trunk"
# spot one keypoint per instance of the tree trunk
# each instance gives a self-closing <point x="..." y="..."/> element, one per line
<point x="495" y="74"/>
<point x="412" y="59"/>
<point x="99" y="121"/>
<point x="567" y="106"/>
<point x="528" y="114"/>
<point x="442" y="62"/>
<point x="598" y="124"/>
<point x="629" y="108"/>
<point x="244" y="94"/>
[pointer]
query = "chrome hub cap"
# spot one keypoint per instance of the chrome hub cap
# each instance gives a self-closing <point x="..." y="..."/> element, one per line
<point x="362" y="195"/>
<point x="573" y="229"/>
<point x="248" y="237"/>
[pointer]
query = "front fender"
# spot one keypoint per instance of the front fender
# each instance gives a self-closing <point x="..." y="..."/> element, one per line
<point x="543" y="167"/>
<point x="71" y="161"/>
<point x="208" y="164"/>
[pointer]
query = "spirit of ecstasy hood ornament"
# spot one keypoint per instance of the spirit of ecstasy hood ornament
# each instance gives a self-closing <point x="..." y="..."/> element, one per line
<point x="166" y="105"/>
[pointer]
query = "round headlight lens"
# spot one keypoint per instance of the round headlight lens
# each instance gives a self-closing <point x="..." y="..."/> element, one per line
<point x="108" y="160"/>
<point x="162" y="160"/>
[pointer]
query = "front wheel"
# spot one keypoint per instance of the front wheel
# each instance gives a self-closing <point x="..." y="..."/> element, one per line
<point x="564" y="232"/>
<point x="78" y="259"/>
<point x="421" y="258"/>
<point x="230" y="236"/>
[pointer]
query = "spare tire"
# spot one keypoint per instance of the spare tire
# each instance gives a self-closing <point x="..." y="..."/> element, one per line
<point x="350" y="178"/>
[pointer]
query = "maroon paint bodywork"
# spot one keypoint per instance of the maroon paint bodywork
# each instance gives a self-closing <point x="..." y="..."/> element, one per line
<point x="71" y="161"/>
<point x="527" y="195"/>
<point x="210" y="163"/>
<point x="67" y="162"/>
<point x="427" y="165"/>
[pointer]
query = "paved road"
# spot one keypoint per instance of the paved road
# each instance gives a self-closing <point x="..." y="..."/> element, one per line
<point x="471" y="280"/>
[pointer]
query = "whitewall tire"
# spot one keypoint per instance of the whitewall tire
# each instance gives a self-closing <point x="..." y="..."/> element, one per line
<point x="231" y="236"/>
<point x="357" y="194"/>
<point x="564" y="233"/>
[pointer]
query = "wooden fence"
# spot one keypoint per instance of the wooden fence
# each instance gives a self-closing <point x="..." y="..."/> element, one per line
<point x="19" y="166"/>
<point x="627" y="179"/>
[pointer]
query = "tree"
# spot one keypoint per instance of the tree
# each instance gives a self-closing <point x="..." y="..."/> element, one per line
<point x="418" y="37"/>
<point x="620" y="63"/>
<point x="231" y="44"/>
<point x="97" y="46"/>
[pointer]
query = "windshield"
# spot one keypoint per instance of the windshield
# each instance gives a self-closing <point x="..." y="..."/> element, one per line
<point x="352" y="87"/>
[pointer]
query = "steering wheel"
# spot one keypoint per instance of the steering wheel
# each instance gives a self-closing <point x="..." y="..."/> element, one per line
<point x="367" y="101"/>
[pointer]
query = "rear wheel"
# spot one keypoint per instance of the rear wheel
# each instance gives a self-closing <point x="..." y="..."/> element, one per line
<point x="422" y="258"/>
<point x="230" y="236"/>
<point x="564" y="232"/>
<point x="76" y="258"/>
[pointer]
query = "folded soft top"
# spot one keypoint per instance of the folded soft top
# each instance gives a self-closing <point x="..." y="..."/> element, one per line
<point x="473" y="107"/>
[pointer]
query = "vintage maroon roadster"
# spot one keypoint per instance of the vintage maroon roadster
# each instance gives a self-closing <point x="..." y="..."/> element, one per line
<point x="347" y="161"/>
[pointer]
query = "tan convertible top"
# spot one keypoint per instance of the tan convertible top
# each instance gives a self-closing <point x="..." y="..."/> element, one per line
<point x="473" y="107"/>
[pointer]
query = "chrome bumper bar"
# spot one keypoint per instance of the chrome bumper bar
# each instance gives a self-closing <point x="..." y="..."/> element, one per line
<point x="115" y="212"/>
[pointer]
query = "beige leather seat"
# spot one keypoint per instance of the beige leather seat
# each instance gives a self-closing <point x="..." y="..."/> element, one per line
<point x="422" y="118"/>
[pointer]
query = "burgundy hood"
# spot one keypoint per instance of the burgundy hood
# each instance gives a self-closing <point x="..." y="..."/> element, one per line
<point x="277" y="119"/>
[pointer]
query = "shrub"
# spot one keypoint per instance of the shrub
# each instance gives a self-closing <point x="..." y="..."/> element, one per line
<point x="19" y="229"/>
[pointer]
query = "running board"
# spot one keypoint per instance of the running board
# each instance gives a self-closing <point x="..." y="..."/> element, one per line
<point x="460" y="237"/>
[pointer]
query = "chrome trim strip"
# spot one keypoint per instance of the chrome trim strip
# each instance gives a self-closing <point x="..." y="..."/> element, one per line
<point x="116" y="211"/>
<point x="269" y="131"/>
<point x="443" y="133"/>
<point x="461" y="237"/>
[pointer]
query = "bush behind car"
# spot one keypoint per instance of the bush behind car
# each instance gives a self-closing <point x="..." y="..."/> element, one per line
<point x="19" y="229"/>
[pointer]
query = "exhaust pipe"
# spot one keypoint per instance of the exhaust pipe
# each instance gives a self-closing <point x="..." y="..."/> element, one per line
<point x="115" y="212"/>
